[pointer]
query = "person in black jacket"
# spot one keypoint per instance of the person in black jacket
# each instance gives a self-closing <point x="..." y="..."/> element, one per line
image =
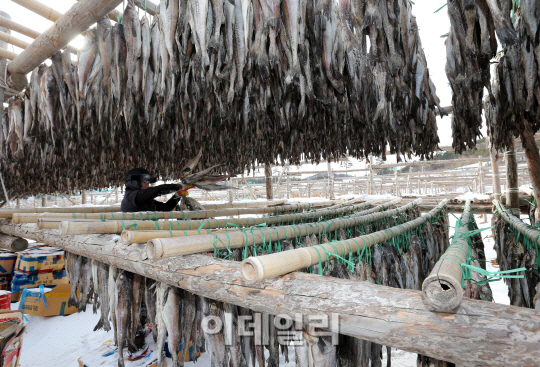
<point x="139" y="196"/>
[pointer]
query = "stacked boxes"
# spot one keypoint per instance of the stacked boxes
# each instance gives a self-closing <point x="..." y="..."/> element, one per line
<point x="39" y="266"/>
<point x="7" y="264"/>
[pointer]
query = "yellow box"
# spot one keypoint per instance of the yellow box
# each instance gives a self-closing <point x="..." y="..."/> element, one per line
<point x="52" y="302"/>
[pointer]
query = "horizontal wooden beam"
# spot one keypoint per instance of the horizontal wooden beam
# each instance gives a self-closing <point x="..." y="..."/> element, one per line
<point x="77" y="19"/>
<point x="478" y="333"/>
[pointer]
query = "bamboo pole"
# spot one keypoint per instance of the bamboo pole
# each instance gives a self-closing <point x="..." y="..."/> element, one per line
<point x="477" y="335"/>
<point x="40" y="9"/>
<point x="516" y="223"/>
<point x="259" y="268"/>
<point x="201" y="214"/>
<point x="77" y="19"/>
<point x="129" y="237"/>
<point x="13" y="244"/>
<point x="14" y="26"/>
<point x="442" y="288"/>
<point x="54" y="223"/>
<point x="171" y="247"/>
<point x="117" y="226"/>
<point x="8" y="54"/>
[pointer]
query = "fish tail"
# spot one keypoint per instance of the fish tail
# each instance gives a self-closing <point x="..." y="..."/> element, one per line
<point x="99" y="325"/>
<point x="73" y="301"/>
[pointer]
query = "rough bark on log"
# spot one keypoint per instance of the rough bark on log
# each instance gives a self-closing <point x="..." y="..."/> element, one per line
<point x="14" y="244"/>
<point x="268" y="181"/>
<point x="479" y="333"/>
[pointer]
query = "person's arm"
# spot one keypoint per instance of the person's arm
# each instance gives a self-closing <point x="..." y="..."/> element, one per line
<point x="168" y="206"/>
<point x="144" y="196"/>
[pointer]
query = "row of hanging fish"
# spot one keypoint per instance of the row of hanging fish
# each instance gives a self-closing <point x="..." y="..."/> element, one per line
<point x="512" y="254"/>
<point x="470" y="45"/>
<point x="515" y="105"/>
<point x="320" y="77"/>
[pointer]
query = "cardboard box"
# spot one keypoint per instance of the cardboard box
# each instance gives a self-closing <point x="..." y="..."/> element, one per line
<point x="7" y="262"/>
<point x="21" y="280"/>
<point x="11" y="332"/>
<point x="5" y="282"/>
<point x="107" y="354"/>
<point x="33" y="301"/>
<point x="40" y="260"/>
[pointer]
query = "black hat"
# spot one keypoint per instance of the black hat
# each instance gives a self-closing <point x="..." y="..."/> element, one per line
<point x="135" y="176"/>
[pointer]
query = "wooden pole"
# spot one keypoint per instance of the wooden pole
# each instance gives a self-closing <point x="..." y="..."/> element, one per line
<point x="495" y="175"/>
<point x="442" y="288"/>
<point x="288" y="187"/>
<point x="200" y="214"/>
<point x="512" y="191"/>
<point x="533" y="162"/>
<point x="106" y="197"/>
<point x="44" y="200"/>
<point x="331" y="194"/>
<point x="14" y="26"/>
<point x="396" y="183"/>
<point x="178" y="246"/>
<point x="370" y="179"/>
<point x="408" y="324"/>
<point x="83" y="196"/>
<point x="268" y="181"/>
<point x="77" y="19"/>
<point x="117" y="226"/>
<point x="116" y="193"/>
<point x="18" y="203"/>
<point x="419" y="188"/>
<point x="259" y="268"/>
<point x="14" y="244"/>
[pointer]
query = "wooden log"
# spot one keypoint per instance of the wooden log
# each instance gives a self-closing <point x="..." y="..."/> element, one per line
<point x="268" y="181"/>
<point x="253" y="195"/>
<point x="201" y="214"/>
<point x="19" y="28"/>
<point x="442" y="287"/>
<point x="478" y="334"/>
<point x="14" y="244"/>
<point x="3" y="64"/>
<point x="8" y="38"/>
<point x="117" y="226"/>
<point x="258" y="268"/>
<point x="77" y="19"/>
<point x="177" y="246"/>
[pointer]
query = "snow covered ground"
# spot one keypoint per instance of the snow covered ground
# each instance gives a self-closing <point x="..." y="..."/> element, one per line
<point x="61" y="341"/>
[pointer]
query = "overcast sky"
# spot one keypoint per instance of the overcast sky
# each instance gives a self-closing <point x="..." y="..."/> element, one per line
<point x="431" y="27"/>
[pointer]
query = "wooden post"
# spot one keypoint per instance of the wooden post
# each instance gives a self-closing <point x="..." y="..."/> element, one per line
<point x="495" y="175"/>
<point x="370" y="179"/>
<point x="409" y="184"/>
<point x="431" y="188"/>
<point x="116" y="193"/>
<point x="44" y="200"/>
<point x="288" y="187"/>
<point x="512" y="190"/>
<point x="83" y="196"/>
<point x="331" y="194"/>
<point x="419" y="188"/>
<point x="268" y="181"/>
<point x="533" y="162"/>
<point x="396" y="183"/>
<point x="230" y="192"/>
<point x="18" y="203"/>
